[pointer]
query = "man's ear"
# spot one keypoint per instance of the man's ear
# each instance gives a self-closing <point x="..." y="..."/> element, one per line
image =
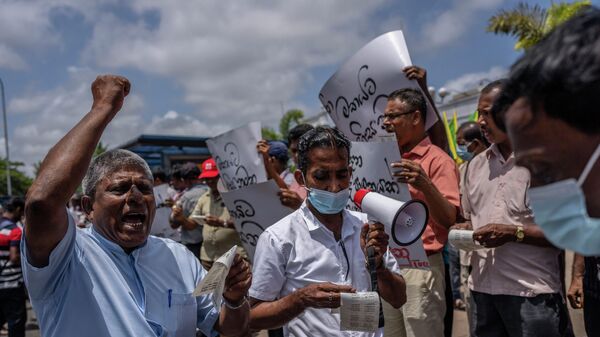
<point x="299" y="177"/>
<point x="416" y="117"/>
<point x="87" y="206"/>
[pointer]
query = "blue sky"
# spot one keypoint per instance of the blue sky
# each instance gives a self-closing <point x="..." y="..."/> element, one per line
<point x="202" y="67"/>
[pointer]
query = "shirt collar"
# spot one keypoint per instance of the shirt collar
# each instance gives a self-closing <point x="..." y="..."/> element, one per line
<point x="494" y="151"/>
<point x="312" y="223"/>
<point x="420" y="149"/>
<point x="112" y="247"/>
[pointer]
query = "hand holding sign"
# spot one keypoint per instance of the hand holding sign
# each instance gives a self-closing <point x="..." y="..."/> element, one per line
<point x="238" y="281"/>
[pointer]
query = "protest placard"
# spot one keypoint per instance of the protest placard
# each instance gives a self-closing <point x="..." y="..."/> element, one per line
<point x="356" y="95"/>
<point x="236" y="156"/>
<point x="370" y="162"/>
<point x="253" y="209"/>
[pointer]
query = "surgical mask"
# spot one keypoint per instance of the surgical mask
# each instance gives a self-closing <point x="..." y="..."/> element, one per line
<point x="559" y="209"/>
<point x="463" y="153"/>
<point x="328" y="202"/>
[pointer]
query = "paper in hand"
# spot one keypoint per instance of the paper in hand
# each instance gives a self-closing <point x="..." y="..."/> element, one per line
<point x="463" y="239"/>
<point x="214" y="281"/>
<point x="359" y="311"/>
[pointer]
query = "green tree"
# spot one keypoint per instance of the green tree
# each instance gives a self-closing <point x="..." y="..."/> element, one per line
<point x="20" y="182"/>
<point x="270" y="133"/>
<point x="531" y="23"/>
<point x="100" y="149"/>
<point x="290" y="118"/>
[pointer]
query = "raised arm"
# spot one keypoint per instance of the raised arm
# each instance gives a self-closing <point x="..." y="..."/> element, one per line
<point x="64" y="167"/>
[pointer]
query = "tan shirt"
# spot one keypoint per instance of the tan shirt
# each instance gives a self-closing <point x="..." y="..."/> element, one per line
<point x="495" y="192"/>
<point x="217" y="240"/>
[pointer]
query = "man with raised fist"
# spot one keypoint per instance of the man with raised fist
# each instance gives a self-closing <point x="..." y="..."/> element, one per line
<point x="113" y="279"/>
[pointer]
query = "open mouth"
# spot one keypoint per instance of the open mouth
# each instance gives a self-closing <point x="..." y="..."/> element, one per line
<point x="133" y="220"/>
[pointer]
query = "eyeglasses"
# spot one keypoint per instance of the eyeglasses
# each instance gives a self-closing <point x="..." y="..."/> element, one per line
<point x="395" y="115"/>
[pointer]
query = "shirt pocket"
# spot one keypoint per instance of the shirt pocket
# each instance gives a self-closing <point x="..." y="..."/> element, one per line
<point x="180" y="314"/>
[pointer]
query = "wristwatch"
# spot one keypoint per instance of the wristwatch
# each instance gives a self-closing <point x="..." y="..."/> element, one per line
<point x="520" y="234"/>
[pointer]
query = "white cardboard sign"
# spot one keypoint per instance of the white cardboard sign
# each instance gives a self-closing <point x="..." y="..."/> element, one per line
<point x="236" y="156"/>
<point x="253" y="209"/>
<point x="356" y="95"/>
<point x="371" y="169"/>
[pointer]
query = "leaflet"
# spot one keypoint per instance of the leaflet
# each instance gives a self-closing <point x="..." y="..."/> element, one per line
<point x="359" y="311"/>
<point x="214" y="281"/>
<point x="463" y="239"/>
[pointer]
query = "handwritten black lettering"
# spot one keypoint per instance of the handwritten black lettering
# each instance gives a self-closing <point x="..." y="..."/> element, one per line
<point x="356" y="161"/>
<point x="241" y="209"/>
<point x="250" y="231"/>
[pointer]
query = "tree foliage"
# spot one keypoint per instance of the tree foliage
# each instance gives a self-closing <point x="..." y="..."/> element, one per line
<point x="20" y="182"/>
<point x="270" y="134"/>
<point x="290" y="118"/>
<point x="530" y="23"/>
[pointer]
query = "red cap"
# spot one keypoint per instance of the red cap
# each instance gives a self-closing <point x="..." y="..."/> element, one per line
<point x="359" y="195"/>
<point x="209" y="169"/>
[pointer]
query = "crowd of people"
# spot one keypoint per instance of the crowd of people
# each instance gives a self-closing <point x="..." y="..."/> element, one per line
<point x="124" y="256"/>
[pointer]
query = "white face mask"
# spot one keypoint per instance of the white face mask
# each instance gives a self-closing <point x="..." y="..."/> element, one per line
<point x="560" y="210"/>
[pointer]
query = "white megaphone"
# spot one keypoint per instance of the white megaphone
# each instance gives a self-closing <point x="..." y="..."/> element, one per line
<point x="406" y="221"/>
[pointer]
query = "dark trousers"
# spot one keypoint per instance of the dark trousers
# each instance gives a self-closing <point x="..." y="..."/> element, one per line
<point x="194" y="248"/>
<point x="544" y="315"/>
<point x="591" y="315"/>
<point x="13" y="311"/>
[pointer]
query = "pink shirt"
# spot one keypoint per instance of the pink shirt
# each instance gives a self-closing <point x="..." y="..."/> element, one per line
<point x="495" y="192"/>
<point x="442" y="172"/>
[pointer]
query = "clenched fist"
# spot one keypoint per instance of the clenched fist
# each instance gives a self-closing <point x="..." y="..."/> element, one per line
<point x="109" y="92"/>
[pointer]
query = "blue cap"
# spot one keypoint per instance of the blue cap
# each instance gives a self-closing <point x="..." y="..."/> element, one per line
<point x="278" y="150"/>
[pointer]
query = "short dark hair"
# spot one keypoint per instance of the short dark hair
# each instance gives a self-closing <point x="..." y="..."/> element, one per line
<point x="13" y="204"/>
<point x="493" y="85"/>
<point x="321" y="136"/>
<point x="414" y="98"/>
<point x="560" y="74"/>
<point x="297" y="131"/>
<point x="472" y="131"/>
<point x="187" y="170"/>
<point x="159" y="173"/>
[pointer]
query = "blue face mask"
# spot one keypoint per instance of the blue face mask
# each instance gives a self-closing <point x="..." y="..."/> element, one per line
<point x="560" y="210"/>
<point x="328" y="202"/>
<point x="463" y="153"/>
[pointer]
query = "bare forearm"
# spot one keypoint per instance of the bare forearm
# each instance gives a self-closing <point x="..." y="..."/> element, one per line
<point x="188" y="224"/>
<point x="440" y="209"/>
<point x="534" y="236"/>
<point x="392" y="288"/>
<point x="271" y="315"/>
<point x="234" y="322"/>
<point x="578" y="266"/>
<point x="61" y="173"/>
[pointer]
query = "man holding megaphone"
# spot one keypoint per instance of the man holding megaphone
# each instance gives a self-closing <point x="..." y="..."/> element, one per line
<point x="304" y="262"/>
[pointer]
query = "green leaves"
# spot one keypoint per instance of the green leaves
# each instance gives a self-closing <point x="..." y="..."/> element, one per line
<point x="530" y="23"/>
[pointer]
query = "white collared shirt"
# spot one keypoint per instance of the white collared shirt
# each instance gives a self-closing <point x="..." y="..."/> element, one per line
<point x="298" y="251"/>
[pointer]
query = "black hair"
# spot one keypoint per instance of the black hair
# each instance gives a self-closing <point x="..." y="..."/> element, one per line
<point x="187" y="170"/>
<point x="159" y="173"/>
<point x="14" y="203"/>
<point x="560" y="74"/>
<point x="493" y="85"/>
<point x="413" y="98"/>
<point x="472" y="131"/>
<point x="297" y="131"/>
<point x="321" y="136"/>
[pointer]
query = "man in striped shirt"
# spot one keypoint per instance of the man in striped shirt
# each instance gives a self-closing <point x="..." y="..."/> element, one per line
<point x="12" y="292"/>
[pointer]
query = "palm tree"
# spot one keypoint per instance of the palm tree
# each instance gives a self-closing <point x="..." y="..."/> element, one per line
<point x="531" y="23"/>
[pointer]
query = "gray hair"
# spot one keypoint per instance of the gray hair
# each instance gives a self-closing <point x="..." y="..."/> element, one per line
<point x="109" y="162"/>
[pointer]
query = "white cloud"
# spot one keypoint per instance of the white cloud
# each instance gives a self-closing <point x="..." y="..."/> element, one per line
<point x="474" y="80"/>
<point x="449" y="26"/>
<point x="9" y="59"/>
<point x="234" y="59"/>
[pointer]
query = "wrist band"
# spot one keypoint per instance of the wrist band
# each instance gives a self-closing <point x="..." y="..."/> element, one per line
<point x="227" y="304"/>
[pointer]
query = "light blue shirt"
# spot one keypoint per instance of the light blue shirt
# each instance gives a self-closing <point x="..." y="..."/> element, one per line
<point x="91" y="287"/>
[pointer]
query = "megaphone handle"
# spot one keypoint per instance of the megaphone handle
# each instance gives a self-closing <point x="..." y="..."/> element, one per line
<point x="374" y="286"/>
